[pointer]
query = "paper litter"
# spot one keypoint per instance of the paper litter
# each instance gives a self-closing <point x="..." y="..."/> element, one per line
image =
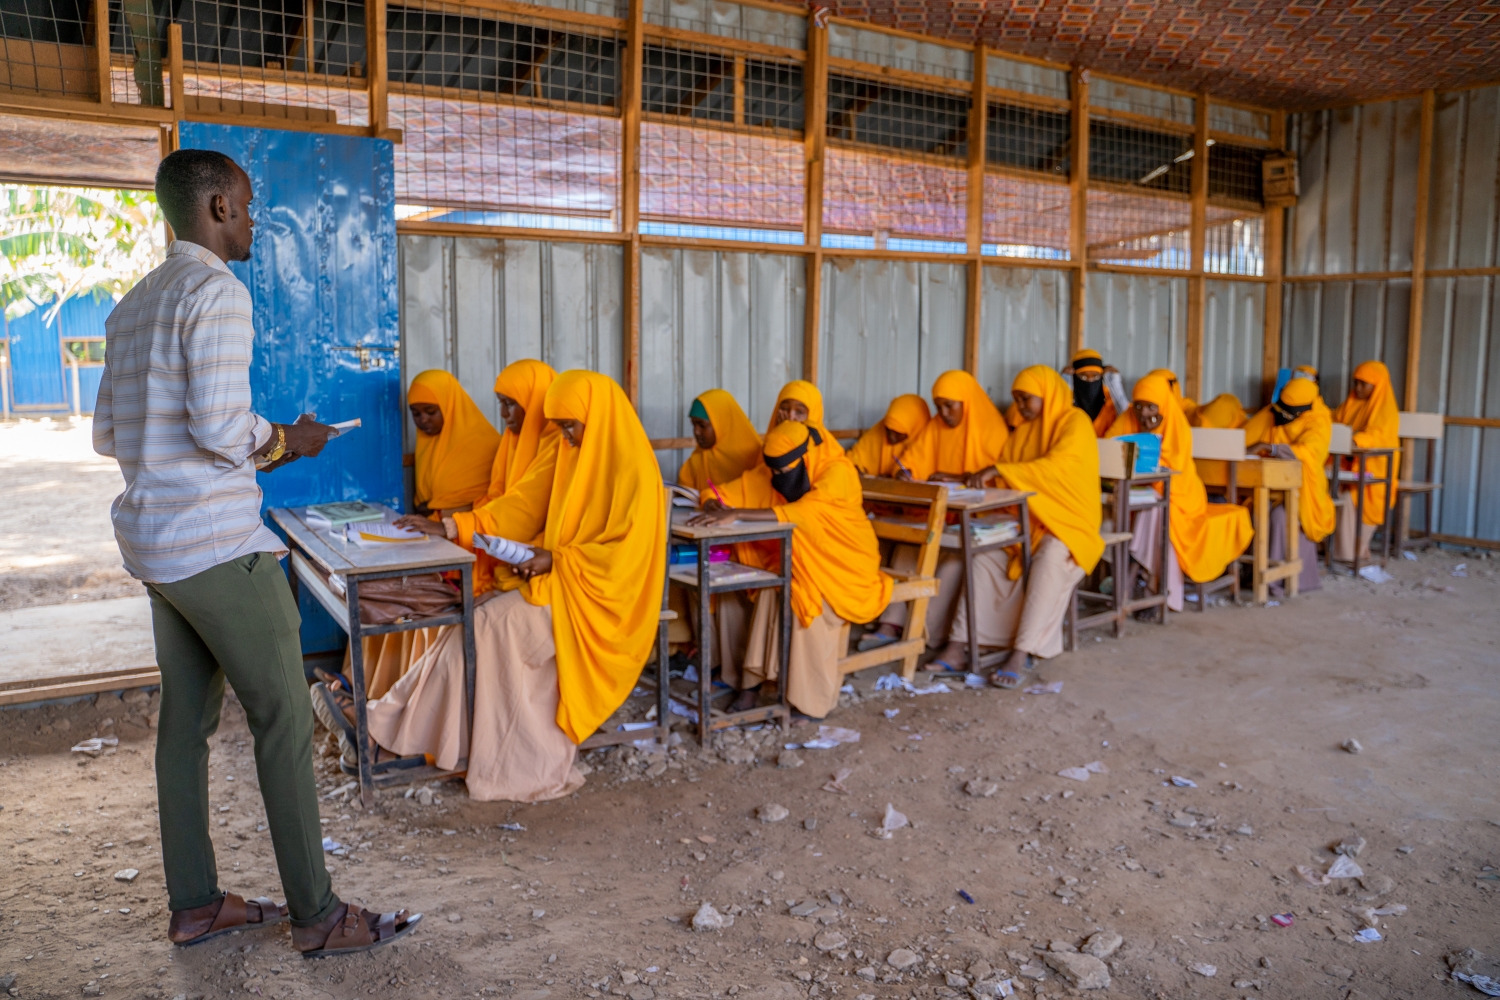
<point x="895" y="682"/>
<point x="1283" y="919"/>
<point x="974" y="681"/>
<point x="891" y="713"/>
<point x="678" y="708"/>
<point x="513" y="827"/>
<point x="330" y="845"/>
<point x="1462" y="569"/>
<point x="1408" y="555"/>
<point x="1368" y="936"/>
<point x="1076" y="773"/>
<point x="1344" y="867"/>
<point x="847" y="689"/>
<point x="1182" y="782"/>
<point x="838" y="734"/>
<point x="1374" y="574"/>
<point x="1484" y="984"/>
<point x="97" y="744"/>
<point x="837" y="783"/>
<point x="1053" y="687"/>
<point x="892" y="822"/>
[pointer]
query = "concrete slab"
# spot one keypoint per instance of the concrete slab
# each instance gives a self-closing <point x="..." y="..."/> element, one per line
<point x="82" y="637"/>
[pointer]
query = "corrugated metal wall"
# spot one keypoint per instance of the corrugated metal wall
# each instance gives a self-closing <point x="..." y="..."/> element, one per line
<point x="1356" y="214"/>
<point x="888" y="327"/>
<point x="1024" y="322"/>
<point x="1233" y="333"/>
<point x="472" y="305"/>
<point x="1137" y="321"/>
<point x="1460" y="366"/>
<point x="711" y="319"/>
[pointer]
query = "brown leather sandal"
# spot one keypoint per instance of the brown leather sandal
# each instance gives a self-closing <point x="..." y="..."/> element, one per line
<point x="362" y="930"/>
<point x="235" y="914"/>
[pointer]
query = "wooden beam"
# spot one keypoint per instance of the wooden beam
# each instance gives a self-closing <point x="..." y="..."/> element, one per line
<point x="1192" y="378"/>
<point x="630" y="195"/>
<point x="974" y="217"/>
<point x="377" y="65"/>
<point x="1273" y="232"/>
<point x="175" y="68"/>
<point x="1078" y="182"/>
<point x="815" y="87"/>
<point x="101" y="54"/>
<point x="1419" y="253"/>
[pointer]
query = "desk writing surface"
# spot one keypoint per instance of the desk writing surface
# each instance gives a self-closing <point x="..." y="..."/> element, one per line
<point x="333" y="554"/>
<point x="732" y="530"/>
<point x="876" y="488"/>
<point x="1270" y="473"/>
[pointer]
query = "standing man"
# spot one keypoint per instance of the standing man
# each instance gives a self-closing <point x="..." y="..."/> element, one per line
<point x="174" y="410"/>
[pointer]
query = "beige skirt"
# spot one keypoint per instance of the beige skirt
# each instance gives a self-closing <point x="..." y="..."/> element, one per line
<point x="518" y="752"/>
<point x="813" y="688"/>
<point x="1013" y="616"/>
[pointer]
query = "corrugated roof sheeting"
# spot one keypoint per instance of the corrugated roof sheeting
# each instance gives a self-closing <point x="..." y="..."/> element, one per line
<point x="472" y="305"/>
<point x="1137" y="321"/>
<point x="1024" y="322"/>
<point x="712" y="319"/>
<point x="1233" y="333"/>
<point x="888" y="327"/>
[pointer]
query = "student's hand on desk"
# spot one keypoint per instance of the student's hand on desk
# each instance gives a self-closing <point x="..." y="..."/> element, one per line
<point x="945" y="477"/>
<point x="717" y="514"/>
<point x="979" y="480"/>
<point x="538" y="564"/>
<point x="417" y="522"/>
<point x="714" y="503"/>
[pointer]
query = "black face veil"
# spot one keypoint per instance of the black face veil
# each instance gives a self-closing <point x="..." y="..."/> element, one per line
<point x="1088" y="396"/>
<point x="789" y="475"/>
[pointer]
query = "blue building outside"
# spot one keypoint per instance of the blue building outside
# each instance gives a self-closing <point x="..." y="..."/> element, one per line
<point x="43" y="356"/>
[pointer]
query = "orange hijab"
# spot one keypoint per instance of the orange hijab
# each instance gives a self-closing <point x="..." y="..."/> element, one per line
<point x="873" y="454"/>
<point x="1056" y="456"/>
<point x="737" y="447"/>
<point x="1376" y="423"/>
<point x="1206" y="537"/>
<point x="835" y="554"/>
<point x="1308" y="436"/>
<point x="808" y="395"/>
<point x="527" y="382"/>
<point x="973" y="445"/>
<point x="453" y="466"/>
<point x="1225" y="410"/>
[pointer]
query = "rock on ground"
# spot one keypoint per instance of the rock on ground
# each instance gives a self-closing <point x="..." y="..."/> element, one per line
<point x="1084" y="972"/>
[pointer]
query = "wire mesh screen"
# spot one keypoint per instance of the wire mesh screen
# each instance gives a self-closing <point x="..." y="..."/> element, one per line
<point x="787" y="29"/>
<point x="721" y="145"/>
<point x="1028" y="139"/>
<point x="876" y="114"/>
<point x="47" y="48"/>
<point x="876" y="201"/>
<point x="507" y="121"/>
<point x="298" y="60"/>
<point x="1124" y="154"/>
<point x="1025" y="217"/>
<point x="1239" y="121"/>
<point x="1234" y="172"/>
<point x="1139" y="230"/>
<point x="1234" y="245"/>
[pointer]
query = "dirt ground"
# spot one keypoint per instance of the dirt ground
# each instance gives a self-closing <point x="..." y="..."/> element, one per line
<point x="595" y="894"/>
<point x="57" y="544"/>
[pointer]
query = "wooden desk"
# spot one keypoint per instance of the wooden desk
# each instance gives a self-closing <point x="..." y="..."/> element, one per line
<point x="968" y="511"/>
<point x="315" y="549"/>
<point x="697" y="578"/>
<point x="1356" y="480"/>
<point x="1124" y="483"/>
<point x="1264" y="476"/>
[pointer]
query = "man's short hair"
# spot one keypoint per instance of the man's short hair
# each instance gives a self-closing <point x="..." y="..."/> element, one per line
<point x="187" y="178"/>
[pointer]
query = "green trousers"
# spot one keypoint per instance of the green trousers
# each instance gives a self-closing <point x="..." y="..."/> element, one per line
<point x="237" y="621"/>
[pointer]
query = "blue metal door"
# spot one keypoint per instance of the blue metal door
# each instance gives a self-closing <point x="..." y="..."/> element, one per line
<point x="36" y="363"/>
<point x="323" y="282"/>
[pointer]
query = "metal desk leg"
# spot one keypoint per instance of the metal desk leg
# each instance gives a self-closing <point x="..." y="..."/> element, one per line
<point x="471" y="658"/>
<point x="357" y="669"/>
<point x="1025" y="544"/>
<point x="968" y="595"/>
<point x="784" y="680"/>
<point x="706" y="637"/>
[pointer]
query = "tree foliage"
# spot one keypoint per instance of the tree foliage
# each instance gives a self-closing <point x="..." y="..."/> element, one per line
<point x="58" y="242"/>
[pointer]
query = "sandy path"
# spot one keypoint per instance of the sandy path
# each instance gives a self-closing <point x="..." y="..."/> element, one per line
<point x="1250" y="704"/>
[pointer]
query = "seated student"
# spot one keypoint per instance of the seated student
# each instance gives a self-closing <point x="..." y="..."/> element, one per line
<point x="1372" y="414"/>
<point x="1206" y="537"/>
<point x="1296" y="427"/>
<point x="965" y="437"/>
<point x="878" y="450"/>
<point x="1091" y="384"/>
<point x="1054" y="453"/>
<point x="558" y="656"/>
<point x="836" y="574"/>
<point x="456" y="446"/>
<point x="727" y="443"/>
<point x="1224" y="411"/>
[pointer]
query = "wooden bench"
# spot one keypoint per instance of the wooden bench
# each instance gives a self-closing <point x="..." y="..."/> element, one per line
<point x="1418" y="427"/>
<point x="1227" y="445"/>
<point x="1114" y="612"/>
<point x="1117" y="471"/>
<point x="1341" y="445"/>
<point x="914" y="589"/>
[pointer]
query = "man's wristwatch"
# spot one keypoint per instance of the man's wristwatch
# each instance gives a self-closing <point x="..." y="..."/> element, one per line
<point x="274" y="455"/>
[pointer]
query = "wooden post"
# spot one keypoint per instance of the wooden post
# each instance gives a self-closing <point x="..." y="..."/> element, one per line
<point x="1078" y="184"/>
<point x="1274" y="234"/>
<point x="377" y="69"/>
<point x="978" y="141"/>
<point x="1192" y="382"/>
<point x="101" y="53"/>
<point x="1419" y="254"/>
<point x="630" y="195"/>
<point x="815" y="86"/>
<point x="174" y="66"/>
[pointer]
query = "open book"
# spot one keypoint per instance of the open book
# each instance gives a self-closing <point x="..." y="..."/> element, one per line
<point x="370" y="534"/>
<point x="683" y="496"/>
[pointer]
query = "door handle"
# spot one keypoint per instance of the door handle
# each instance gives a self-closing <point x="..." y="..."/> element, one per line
<point x="369" y="355"/>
